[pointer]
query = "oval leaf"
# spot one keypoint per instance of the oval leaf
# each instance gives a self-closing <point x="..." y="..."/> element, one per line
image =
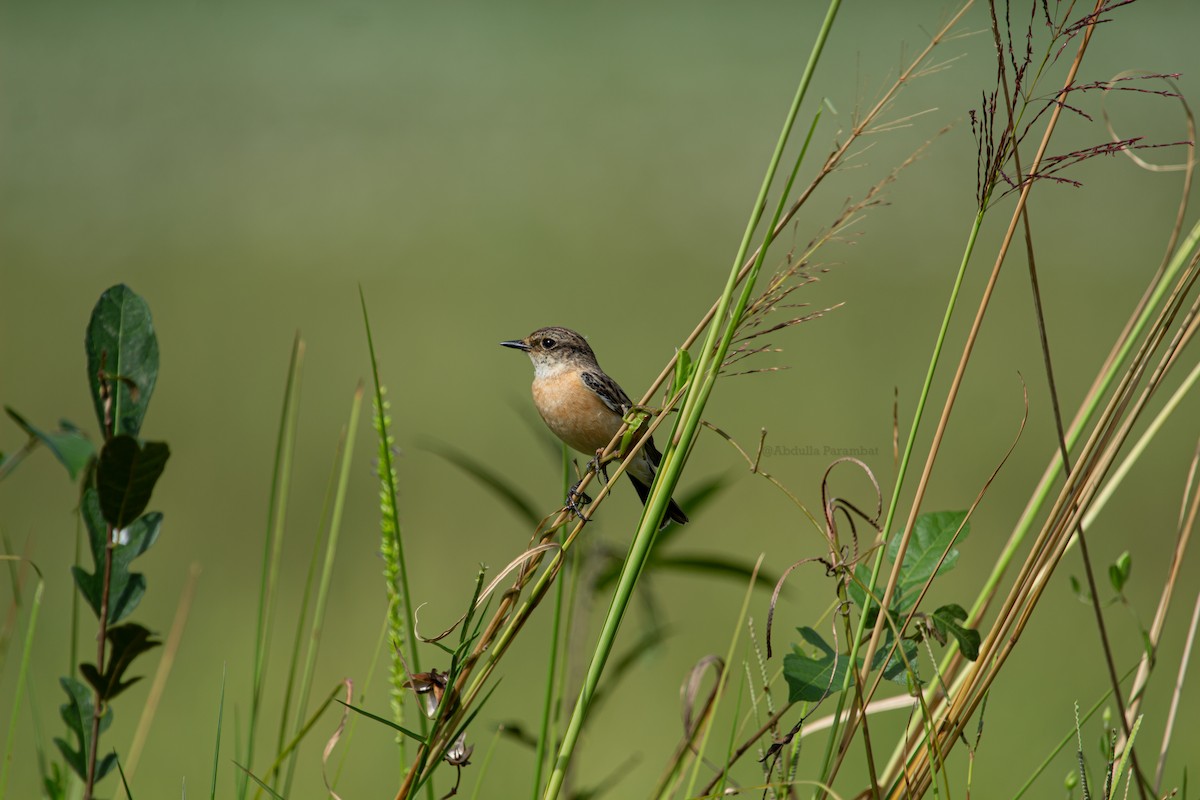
<point x="121" y="344"/>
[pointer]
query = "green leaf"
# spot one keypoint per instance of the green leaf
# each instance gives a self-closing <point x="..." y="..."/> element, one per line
<point x="897" y="669"/>
<point x="121" y="344"/>
<point x="505" y="489"/>
<point x="1118" y="572"/>
<point x="126" y="476"/>
<point x="948" y="619"/>
<point x="857" y="590"/>
<point x="128" y="642"/>
<point x="410" y="734"/>
<point x="683" y="370"/>
<point x="54" y="780"/>
<point x="126" y="588"/>
<point x="68" y="443"/>
<point x="77" y="714"/>
<point x="931" y="535"/>
<point x="808" y="676"/>
<point x="261" y="785"/>
<point x="635" y="419"/>
<point x="812" y="678"/>
<point x="717" y="566"/>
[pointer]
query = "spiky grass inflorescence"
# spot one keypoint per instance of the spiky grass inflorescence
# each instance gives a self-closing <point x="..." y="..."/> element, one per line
<point x="389" y="548"/>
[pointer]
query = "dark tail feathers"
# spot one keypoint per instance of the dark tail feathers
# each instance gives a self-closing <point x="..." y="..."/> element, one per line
<point x="674" y="512"/>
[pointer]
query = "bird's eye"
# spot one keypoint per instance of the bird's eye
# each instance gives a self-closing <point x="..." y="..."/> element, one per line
<point x="548" y="343"/>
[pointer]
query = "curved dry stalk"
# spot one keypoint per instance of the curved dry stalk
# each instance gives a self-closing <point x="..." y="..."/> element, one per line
<point x="1096" y="459"/>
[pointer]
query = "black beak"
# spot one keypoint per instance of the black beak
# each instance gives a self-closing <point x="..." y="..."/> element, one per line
<point x="516" y="344"/>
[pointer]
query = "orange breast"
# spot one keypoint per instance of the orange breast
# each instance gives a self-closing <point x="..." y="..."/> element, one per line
<point x="574" y="412"/>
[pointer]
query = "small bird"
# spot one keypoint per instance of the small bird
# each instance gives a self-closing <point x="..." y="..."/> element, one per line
<point x="582" y="405"/>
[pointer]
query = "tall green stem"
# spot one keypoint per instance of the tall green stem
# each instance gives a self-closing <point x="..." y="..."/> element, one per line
<point x="699" y="388"/>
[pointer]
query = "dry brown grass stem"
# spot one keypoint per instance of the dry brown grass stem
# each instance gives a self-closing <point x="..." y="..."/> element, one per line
<point x="918" y="774"/>
<point x="170" y="651"/>
<point x="1187" y="524"/>
<point x="1175" y="695"/>
<point x="969" y="346"/>
<point x="1096" y="459"/>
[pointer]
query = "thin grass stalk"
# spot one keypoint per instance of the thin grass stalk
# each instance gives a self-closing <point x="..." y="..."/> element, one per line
<point x="1025" y="787"/>
<point x="698" y="389"/>
<point x="159" y="684"/>
<point x="1169" y="727"/>
<point x="293" y="744"/>
<point x="76" y="597"/>
<point x="1090" y="405"/>
<point x="294" y="656"/>
<point x="832" y="161"/>
<point x="1079" y="495"/>
<point x="89" y="782"/>
<point x="1143" y="442"/>
<point x="973" y="334"/>
<point x="217" y="739"/>
<point x="16" y="566"/>
<point x="872" y="644"/>
<point x="501" y="630"/>
<point x="1183" y="535"/>
<point x="667" y="785"/>
<point x="335" y="526"/>
<point x="723" y="675"/>
<point x="352" y="726"/>
<point x="544" y="733"/>
<point x="22" y="675"/>
<point x="1056" y="408"/>
<point x="273" y="548"/>
<point x="1098" y="455"/>
<point x="400" y="606"/>
<point x="731" y="743"/>
<point x="893" y="504"/>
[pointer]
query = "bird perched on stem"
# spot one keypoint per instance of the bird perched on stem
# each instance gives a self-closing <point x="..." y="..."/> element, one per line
<point x="583" y="406"/>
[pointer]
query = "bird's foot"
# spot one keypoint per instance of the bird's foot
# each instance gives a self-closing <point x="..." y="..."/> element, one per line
<point x="576" y="500"/>
<point x="598" y="467"/>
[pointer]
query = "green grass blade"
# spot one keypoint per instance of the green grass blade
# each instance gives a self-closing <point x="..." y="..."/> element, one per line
<point x="416" y="737"/>
<point x="505" y="490"/>
<point x="331" y="545"/>
<point x="22" y="674"/>
<point x="273" y="545"/>
<point x="400" y="608"/>
<point x="217" y="742"/>
<point x="722" y="679"/>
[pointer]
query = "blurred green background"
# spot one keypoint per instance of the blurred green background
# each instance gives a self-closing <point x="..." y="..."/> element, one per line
<point x="483" y="169"/>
